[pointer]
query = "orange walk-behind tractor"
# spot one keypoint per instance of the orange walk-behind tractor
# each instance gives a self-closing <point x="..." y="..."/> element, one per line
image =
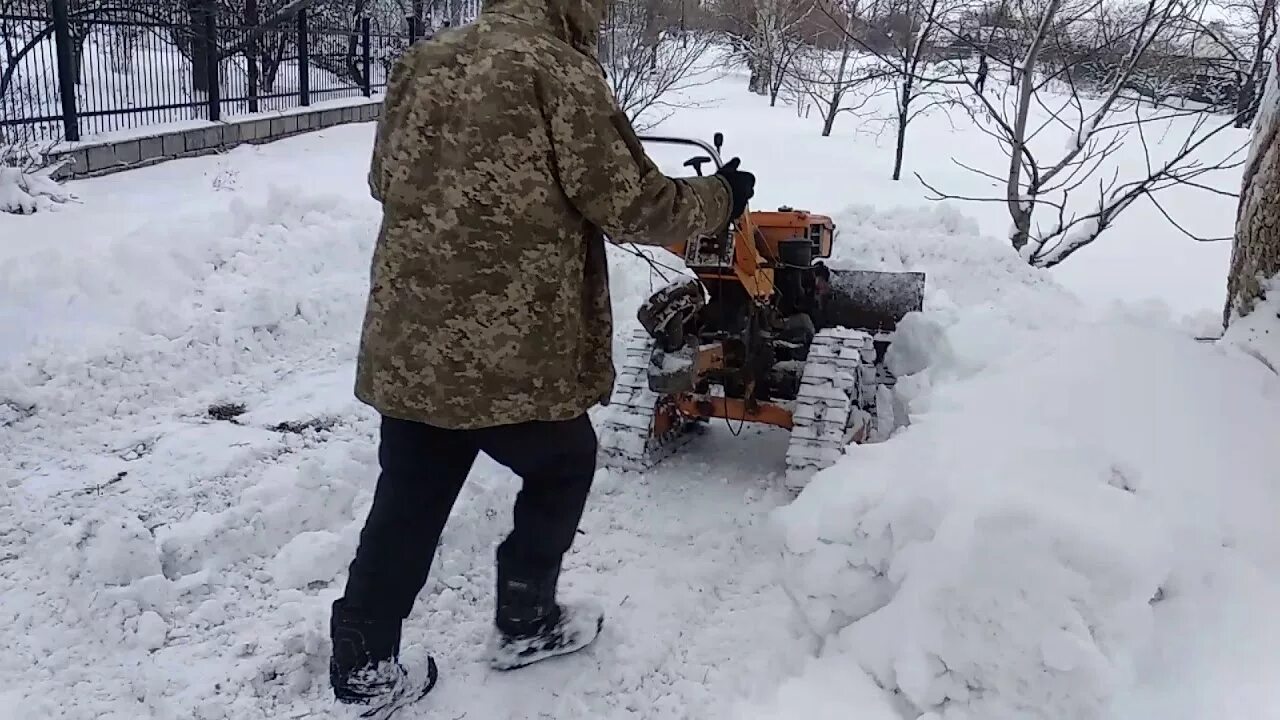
<point x="764" y="332"/>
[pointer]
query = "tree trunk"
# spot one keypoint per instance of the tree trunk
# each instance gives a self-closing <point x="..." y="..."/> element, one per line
<point x="1021" y="208"/>
<point x="838" y="87"/>
<point x="760" y="62"/>
<point x="829" y="121"/>
<point x="271" y="59"/>
<point x="1245" y="102"/>
<point x="904" y="115"/>
<point x="779" y="76"/>
<point x="1255" y="255"/>
<point x="900" y="149"/>
<point x="123" y="42"/>
<point x="79" y="34"/>
<point x="760" y="75"/>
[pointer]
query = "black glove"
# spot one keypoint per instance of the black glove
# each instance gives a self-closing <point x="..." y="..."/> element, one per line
<point x="742" y="186"/>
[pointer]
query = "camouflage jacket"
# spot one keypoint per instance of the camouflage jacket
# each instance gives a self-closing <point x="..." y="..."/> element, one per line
<point x="501" y="162"/>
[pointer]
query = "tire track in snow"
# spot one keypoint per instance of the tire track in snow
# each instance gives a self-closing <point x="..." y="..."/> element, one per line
<point x="678" y="557"/>
<point x="198" y="584"/>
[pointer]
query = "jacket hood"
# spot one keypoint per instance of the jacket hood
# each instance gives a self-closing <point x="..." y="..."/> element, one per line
<point x="576" y="22"/>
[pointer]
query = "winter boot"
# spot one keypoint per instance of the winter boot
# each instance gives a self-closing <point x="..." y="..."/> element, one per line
<point x="532" y="626"/>
<point x="365" y="666"/>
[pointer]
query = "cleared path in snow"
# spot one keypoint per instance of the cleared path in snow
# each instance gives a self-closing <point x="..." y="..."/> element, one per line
<point x="167" y="563"/>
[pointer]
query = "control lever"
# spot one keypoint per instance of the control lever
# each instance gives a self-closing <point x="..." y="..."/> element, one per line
<point x="697" y="162"/>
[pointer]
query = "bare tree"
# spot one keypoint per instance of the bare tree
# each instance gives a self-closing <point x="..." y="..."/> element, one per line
<point x="1255" y="22"/>
<point x="16" y="98"/>
<point x="1255" y="256"/>
<point x="901" y="35"/>
<point x="430" y="13"/>
<point x="122" y="42"/>
<point x="1039" y="183"/>
<point x="766" y="34"/>
<point x="829" y="85"/>
<point x="650" y="62"/>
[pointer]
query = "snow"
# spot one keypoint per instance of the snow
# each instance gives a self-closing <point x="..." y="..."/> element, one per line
<point x="24" y="193"/>
<point x="1064" y="469"/>
<point x="1011" y="553"/>
<point x="163" y="562"/>
<point x="151" y="631"/>
<point x="1258" y="333"/>
<point x="120" y="551"/>
<point x="1077" y="522"/>
<point x="825" y="691"/>
<point x="673" y="363"/>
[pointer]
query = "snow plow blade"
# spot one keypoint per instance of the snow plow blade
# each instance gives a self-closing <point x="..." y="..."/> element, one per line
<point x="871" y="300"/>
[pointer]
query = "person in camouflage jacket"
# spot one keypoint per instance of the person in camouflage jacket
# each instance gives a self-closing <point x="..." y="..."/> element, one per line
<point x="502" y="162"/>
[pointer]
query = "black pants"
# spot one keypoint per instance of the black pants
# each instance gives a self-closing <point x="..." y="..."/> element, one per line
<point x="423" y="470"/>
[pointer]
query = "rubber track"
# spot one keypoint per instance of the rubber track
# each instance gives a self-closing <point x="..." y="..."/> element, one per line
<point x="837" y="397"/>
<point x="625" y="428"/>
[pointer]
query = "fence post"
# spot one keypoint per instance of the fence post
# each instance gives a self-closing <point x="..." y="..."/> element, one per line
<point x="304" y="60"/>
<point x="211" y="61"/>
<point x="66" y="70"/>
<point x="366" y="36"/>
<point x="253" y="19"/>
<point x="413" y="29"/>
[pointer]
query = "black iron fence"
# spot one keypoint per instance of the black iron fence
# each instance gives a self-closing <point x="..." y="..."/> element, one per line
<point x="71" y="70"/>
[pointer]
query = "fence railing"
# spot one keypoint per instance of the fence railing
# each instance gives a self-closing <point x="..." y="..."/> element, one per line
<point x="68" y="74"/>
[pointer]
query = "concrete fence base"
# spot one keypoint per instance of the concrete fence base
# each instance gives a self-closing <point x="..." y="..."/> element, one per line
<point x="92" y="159"/>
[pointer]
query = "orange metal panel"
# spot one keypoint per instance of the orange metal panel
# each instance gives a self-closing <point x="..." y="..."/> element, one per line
<point x="710" y="357"/>
<point x="734" y="409"/>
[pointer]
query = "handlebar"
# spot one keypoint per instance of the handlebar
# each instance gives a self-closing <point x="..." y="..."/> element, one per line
<point x="706" y="147"/>
<point x="714" y="154"/>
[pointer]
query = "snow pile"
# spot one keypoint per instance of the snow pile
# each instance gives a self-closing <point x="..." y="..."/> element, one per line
<point x="826" y="691"/>
<point x="163" y="558"/>
<point x="1009" y="554"/>
<point x="211" y="615"/>
<point x="284" y="516"/>
<point x="121" y="332"/>
<point x="964" y="267"/>
<point x="225" y="281"/>
<point x="24" y="193"/>
<point x="119" y="550"/>
<point x="1258" y="333"/>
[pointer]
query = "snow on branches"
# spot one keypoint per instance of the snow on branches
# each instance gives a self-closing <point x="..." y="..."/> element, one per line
<point x="1075" y="66"/>
<point x="25" y="190"/>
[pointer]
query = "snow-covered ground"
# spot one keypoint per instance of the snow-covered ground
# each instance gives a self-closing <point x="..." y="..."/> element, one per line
<point x="1079" y="523"/>
<point x="160" y="562"/>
